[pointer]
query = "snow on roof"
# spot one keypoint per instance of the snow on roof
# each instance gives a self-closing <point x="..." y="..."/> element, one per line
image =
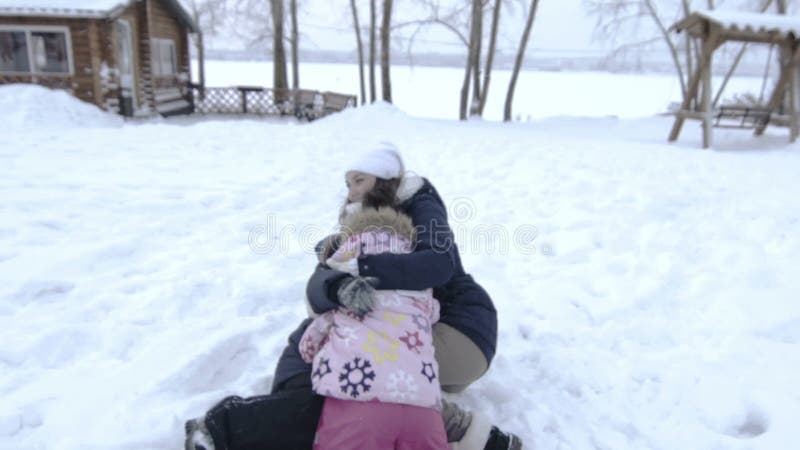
<point x="72" y="8"/>
<point x="745" y="21"/>
<point x="83" y="8"/>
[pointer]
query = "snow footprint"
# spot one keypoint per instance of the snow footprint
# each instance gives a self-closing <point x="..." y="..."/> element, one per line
<point x="218" y="367"/>
<point x="753" y="424"/>
<point x="44" y="291"/>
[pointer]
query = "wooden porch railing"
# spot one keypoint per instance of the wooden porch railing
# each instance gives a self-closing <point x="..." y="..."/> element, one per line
<point x="254" y="100"/>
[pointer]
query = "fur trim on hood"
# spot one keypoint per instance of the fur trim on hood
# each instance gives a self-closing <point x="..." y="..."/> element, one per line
<point x="409" y="186"/>
<point x="383" y="218"/>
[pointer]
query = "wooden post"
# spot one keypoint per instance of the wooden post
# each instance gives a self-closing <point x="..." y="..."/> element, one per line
<point x="201" y="64"/>
<point x="788" y="72"/>
<point x="94" y="55"/>
<point x="705" y="103"/>
<point x="710" y="43"/>
<point x="794" y="98"/>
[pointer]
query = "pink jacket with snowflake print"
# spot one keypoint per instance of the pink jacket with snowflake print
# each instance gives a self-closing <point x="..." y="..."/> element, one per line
<point x="388" y="354"/>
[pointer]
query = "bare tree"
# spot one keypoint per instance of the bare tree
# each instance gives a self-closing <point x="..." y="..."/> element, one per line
<point x="519" y="59"/>
<point x="386" y="27"/>
<point x="465" y="20"/>
<point x="477" y="17"/>
<point x="490" y="55"/>
<point x="372" y="50"/>
<point x="295" y="43"/>
<point x="253" y="23"/>
<point x="357" y="29"/>
<point x="617" y="16"/>
<point x="208" y="16"/>
<point x="280" y="79"/>
<point x="473" y="58"/>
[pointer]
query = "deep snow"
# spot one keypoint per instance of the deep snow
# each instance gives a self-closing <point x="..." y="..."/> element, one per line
<point x="647" y="295"/>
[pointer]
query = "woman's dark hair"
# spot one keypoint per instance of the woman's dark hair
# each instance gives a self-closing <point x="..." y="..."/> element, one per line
<point x="384" y="193"/>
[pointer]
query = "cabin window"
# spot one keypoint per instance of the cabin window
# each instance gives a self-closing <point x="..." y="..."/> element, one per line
<point x="164" y="58"/>
<point x="50" y="52"/>
<point x="35" y="50"/>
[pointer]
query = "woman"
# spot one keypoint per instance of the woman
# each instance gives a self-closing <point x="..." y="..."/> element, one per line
<point x="465" y="337"/>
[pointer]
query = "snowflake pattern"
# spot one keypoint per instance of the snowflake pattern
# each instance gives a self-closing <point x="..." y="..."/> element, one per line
<point x="346" y="334"/>
<point x="427" y="371"/>
<point x="323" y="368"/>
<point x="401" y="386"/>
<point x="395" y="319"/>
<point x="378" y="348"/>
<point x="422" y="323"/>
<point x="390" y="301"/>
<point x="412" y="341"/>
<point x="356" y="377"/>
<point x="421" y="305"/>
<point x="308" y="349"/>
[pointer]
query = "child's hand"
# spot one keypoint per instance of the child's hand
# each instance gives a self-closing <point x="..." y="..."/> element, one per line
<point x="350" y="266"/>
<point x="358" y="295"/>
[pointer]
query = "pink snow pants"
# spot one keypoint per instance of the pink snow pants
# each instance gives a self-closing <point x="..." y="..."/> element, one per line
<point x="352" y="425"/>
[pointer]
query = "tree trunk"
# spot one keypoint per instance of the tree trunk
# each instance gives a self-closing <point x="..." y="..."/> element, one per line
<point x="360" y="47"/>
<point x="462" y="107"/>
<point x="201" y="54"/>
<point x="520" y="58"/>
<point x="386" y="81"/>
<point x="372" y="50"/>
<point x="295" y="46"/>
<point x="689" y="47"/>
<point x="201" y="64"/>
<point x="784" y="56"/>
<point x="280" y="80"/>
<point x="477" y="17"/>
<point x="671" y="45"/>
<point x="487" y="73"/>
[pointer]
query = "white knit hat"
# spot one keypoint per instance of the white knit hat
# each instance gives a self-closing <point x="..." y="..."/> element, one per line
<point x="382" y="160"/>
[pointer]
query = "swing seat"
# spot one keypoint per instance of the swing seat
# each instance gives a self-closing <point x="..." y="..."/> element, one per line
<point x="742" y="117"/>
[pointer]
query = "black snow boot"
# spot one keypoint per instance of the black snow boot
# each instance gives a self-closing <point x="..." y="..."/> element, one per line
<point x="499" y="440"/>
<point x="197" y="435"/>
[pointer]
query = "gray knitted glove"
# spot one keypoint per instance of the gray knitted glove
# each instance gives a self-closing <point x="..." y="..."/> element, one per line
<point x="358" y="294"/>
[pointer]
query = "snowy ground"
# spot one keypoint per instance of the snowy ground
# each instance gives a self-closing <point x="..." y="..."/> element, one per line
<point x="647" y="295"/>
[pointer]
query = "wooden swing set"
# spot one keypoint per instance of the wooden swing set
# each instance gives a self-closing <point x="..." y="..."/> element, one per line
<point x="714" y="28"/>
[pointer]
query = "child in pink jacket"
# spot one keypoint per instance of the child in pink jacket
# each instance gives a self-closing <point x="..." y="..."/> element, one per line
<point x="378" y="371"/>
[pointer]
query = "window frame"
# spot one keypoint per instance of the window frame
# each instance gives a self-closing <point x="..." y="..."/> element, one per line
<point x="155" y="51"/>
<point x="28" y="30"/>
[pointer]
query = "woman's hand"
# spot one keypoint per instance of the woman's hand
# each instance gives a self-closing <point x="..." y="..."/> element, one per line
<point x="358" y="294"/>
<point x="350" y="266"/>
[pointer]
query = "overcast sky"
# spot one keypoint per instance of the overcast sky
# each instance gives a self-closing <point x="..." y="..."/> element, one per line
<point x="561" y="25"/>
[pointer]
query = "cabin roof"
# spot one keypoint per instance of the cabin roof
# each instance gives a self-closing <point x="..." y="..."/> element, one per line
<point x="96" y="9"/>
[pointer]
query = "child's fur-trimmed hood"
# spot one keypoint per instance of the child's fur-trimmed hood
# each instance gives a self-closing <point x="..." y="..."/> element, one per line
<point x="383" y="218"/>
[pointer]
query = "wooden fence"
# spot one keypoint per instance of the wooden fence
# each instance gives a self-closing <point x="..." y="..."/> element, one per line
<point x="301" y="103"/>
